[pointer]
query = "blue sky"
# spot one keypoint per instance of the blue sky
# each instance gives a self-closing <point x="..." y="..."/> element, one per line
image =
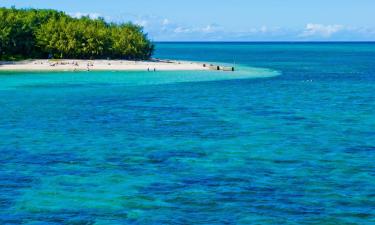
<point x="230" y="20"/>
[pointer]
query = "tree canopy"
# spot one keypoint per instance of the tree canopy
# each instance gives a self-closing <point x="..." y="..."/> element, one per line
<point x="32" y="33"/>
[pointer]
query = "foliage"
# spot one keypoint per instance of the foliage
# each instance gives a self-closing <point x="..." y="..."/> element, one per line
<point x="31" y="33"/>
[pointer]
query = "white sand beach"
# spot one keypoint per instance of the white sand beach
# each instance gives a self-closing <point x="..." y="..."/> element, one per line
<point x="98" y="65"/>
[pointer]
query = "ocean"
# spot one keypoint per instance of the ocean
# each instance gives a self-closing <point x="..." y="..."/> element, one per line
<point x="288" y="138"/>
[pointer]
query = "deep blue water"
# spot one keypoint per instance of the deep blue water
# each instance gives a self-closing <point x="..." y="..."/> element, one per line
<point x="290" y="143"/>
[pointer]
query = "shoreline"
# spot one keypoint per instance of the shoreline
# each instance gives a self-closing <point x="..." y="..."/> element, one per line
<point x="100" y="65"/>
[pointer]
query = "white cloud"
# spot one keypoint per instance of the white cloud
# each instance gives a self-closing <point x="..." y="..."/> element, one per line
<point x="81" y="14"/>
<point x="320" y="30"/>
<point x="208" y="29"/>
<point x="142" y="23"/>
<point x="182" y="30"/>
<point x="263" y="29"/>
<point x="165" y="22"/>
<point x="211" y="28"/>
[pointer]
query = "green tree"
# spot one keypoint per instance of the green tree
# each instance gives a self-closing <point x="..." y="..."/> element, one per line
<point x="30" y="33"/>
<point x="130" y="42"/>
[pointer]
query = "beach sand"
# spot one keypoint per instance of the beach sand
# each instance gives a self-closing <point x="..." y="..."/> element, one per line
<point x="97" y="65"/>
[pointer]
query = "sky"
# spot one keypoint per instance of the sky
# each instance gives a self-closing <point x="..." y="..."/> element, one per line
<point x="229" y="20"/>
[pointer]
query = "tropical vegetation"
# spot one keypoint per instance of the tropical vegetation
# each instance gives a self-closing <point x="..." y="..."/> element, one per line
<point x="40" y="33"/>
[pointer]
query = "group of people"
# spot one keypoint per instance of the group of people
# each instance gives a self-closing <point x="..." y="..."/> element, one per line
<point x="62" y="63"/>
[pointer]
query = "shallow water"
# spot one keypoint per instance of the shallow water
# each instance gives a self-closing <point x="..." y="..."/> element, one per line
<point x="293" y="143"/>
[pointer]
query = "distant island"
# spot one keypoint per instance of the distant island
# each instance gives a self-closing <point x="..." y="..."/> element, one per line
<point x="51" y="34"/>
<point x="50" y="40"/>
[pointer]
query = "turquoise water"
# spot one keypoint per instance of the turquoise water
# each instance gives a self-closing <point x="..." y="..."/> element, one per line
<point x="288" y="139"/>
